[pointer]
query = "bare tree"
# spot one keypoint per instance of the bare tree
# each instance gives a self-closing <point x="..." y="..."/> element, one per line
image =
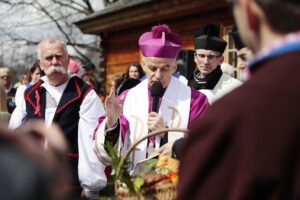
<point x="23" y="23"/>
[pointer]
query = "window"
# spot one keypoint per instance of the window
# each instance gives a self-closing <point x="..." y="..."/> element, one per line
<point x="230" y="55"/>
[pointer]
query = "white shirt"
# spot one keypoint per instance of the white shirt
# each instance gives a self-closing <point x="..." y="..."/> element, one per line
<point x="20" y="94"/>
<point x="225" y="85"/>
<point x="90" y="170"/>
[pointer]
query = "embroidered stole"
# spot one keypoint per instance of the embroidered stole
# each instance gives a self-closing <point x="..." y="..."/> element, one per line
<point x="175" y="109"/>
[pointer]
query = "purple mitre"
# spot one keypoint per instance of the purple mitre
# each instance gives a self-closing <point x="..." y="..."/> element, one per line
<point x="160" y="42"/>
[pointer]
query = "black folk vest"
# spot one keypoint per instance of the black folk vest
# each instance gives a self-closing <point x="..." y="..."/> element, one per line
<point x="66" y="115"/>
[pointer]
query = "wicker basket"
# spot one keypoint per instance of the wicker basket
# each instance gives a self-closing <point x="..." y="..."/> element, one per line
<point x="164" y="191"/>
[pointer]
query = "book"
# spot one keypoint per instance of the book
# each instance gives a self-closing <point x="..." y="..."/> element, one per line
<point x="140" y="166"/>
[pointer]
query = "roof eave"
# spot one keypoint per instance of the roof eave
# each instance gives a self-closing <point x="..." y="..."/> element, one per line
<point x="143" y="12"/>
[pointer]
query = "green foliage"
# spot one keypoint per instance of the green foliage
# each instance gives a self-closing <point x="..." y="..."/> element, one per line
<point x="150" y="165"/>
<point x="138" y="183"/>
<point x="139" y="180"/>
<point x="123" y="176"/>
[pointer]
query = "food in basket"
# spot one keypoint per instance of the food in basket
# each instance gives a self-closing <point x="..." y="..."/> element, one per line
<point x="168" y="163"/>
<point x="151" y="178"/>
<point x="164" y="170"/>
<point x="157" y="180"/>
<point x="158" y="183"/>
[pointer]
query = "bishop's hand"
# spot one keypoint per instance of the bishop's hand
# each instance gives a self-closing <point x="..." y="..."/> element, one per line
<point x="113" y="108"/>
<point x="166" y="149"/>
<point x="155" y="122"/>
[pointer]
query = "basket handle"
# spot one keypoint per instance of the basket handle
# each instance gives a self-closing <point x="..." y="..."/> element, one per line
<point x="154" y="133"/>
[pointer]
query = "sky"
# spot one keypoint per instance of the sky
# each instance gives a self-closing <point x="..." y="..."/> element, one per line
<point x="27" y="22"/>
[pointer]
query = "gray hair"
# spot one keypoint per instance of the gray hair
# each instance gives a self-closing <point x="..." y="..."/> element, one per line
<point x="50" y="40"/>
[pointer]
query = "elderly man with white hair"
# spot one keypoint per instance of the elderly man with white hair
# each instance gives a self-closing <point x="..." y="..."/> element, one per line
<point x="73" y="105"/>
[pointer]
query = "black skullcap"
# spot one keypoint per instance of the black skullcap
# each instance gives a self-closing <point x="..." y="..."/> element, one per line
<point x="209" y="38"/>
<point x="236" y="38"/>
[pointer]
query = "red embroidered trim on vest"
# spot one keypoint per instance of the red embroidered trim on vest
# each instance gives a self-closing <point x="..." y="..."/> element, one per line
<point x="72" y="100"/>
<point x="31" y="89"/>
<point x="38" y="105"/>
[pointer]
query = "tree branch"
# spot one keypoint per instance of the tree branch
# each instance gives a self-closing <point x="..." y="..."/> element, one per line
<point x="8" y="2"/>
<point x="58" y="13"/>
<point x="90" y="8"/>
<point x="84" y="11"/>
<point x="62" y="31"/>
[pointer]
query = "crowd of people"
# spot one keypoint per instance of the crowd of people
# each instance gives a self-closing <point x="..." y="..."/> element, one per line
<point x="244" y="135"/>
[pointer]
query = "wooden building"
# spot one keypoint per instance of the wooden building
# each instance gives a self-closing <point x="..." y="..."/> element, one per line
<point x="121" y="24"/>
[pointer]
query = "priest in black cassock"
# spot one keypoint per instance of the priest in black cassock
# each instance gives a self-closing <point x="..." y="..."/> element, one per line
<point x="208" y="76"/>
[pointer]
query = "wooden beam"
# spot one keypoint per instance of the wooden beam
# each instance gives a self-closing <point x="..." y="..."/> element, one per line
<point x="142" y="14"/>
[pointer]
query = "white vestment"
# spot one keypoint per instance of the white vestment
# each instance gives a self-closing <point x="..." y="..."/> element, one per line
<point x="225" y="85"/>
<point x="174" y="108"/>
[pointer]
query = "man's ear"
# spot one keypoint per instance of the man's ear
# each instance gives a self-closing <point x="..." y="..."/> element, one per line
<point x="221" y="59"/>
<point x="143" y="65"/>
<point x="174" y="67"/>
<point x="195" y="61"/>
<point x="41" y="65"/>
<point x="253" y="14"/>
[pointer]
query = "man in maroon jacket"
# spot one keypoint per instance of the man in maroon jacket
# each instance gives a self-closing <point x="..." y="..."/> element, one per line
<point x="247" y="145"/>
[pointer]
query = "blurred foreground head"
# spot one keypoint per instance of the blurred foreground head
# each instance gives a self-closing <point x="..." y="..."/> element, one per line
<point x="27" y="170"/>
<point x="262" y="21"/>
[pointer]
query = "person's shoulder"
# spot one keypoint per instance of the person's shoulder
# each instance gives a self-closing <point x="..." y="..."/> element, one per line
<point x="196" y="94"/>
<point x="123" y="94"/>
<point x="11" y="92"/>
<point x="127" y="84"/>
<point x="235" y="103"/>
<point x="13" y="89"/>
<point x="198" y="100"/>
<point x="77" y="78"/>
<point x="225" y="78"/>
<point x="81" y="83"/>
<point x="34" y="87"/>
<point x="22" y="87"/>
